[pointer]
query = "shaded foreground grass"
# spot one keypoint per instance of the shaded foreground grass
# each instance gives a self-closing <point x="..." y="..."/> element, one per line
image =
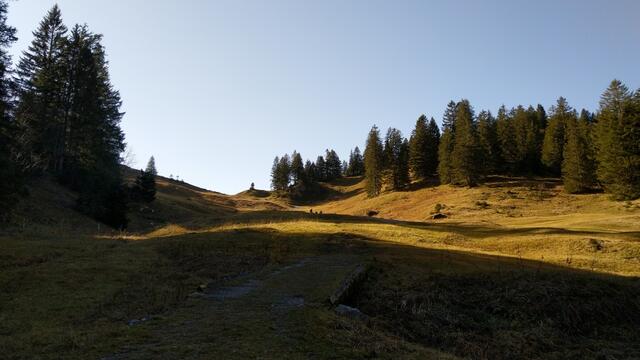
<point x="74" y="297"/>
<point x="504" y="312"/>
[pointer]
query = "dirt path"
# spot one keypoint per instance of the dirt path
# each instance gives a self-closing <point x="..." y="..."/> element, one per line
<point x="264" y="315"/>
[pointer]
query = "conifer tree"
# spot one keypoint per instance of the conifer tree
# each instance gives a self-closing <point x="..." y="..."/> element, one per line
<point x="418" y="161"/>
<point x="310" y="172"/>
<point x="274" y="173"/>
<point x="284" y="173"/>
<point x="396" y="159"/>
<point x="526" y="134"/>
<point x="321" y="169"/>
<point x="41" y="74"/>
<point x="402" y="167"/>
<point x="447" y="142"/>
<point x="333" y="165"/>
<point x="144" y="188"/>
<point x="297" y="168"/>
<point x="488" y="142"/>
<point x="151" y="167"/>
<point x="432" y="146"/>
<point x="69" y="117"/>
<point x="10" y="174"/>
<point x="465" y="167"/>
<point x="508" y="147"/>
<point x="449" y="117"/>
<point x="578" y="165"/>
<point x="356" y="163"/>
<point x="554" y="139"/>
<point x="617" y="137"/>
<point x="373" y="163"/>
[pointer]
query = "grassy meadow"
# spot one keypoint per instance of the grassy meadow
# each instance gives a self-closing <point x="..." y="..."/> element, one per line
<point x="518" y="269"/>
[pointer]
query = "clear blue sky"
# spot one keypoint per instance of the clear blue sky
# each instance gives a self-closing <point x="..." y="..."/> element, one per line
<point x="216" y="89"/>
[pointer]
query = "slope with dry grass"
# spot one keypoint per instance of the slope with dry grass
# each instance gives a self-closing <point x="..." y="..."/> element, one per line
<point x="518" y="270"/>
<point x="528" y="218"/>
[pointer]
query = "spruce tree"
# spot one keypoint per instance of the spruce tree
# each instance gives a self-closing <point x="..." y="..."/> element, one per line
<point x="395" y="159"/>
<point x="297" y="168"/>
<point x="554" y="139"/>
<point x="333" y="165"/>
<point x="465" y="167"/>
<point x="444" y="156"/>
<point x="373" y="163"/>
<point x="310" y="172"/>
<point x="432" y="146"/>
<point x="151" y="167"/>
<point x="402" y="167"/>
<point x="578" y="164"/>
<point x="447" y="142"/>
<point x="418" y="161"/>
<point x="274" y="173"/>
<point x="508" y="147"/>
<point x="10" y="172"/>
<point x="284" y="173"/>
<point x="617" y="137"/>
<point x="41" y="75"/>
<point x="449" y="117"/>
<point x="144" y="188"/>
<point x="488" y="142"/>
<point x="321" y="169"/>
<point x="525" y="125"/>
<point x="356" y="163"/>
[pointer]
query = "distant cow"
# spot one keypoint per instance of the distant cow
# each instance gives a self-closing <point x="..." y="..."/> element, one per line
<point x="372" y="213"/>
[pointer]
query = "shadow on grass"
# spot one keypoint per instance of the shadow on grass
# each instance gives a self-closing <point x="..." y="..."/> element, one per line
<point x="471" y="305"/>
<point x="453" y="300"/>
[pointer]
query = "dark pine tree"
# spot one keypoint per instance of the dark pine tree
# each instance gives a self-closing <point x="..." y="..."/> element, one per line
<point x="578" y="164"/>
<point x="488" y="142"/>
<point x="444" y="156"/>
<point x="151" y="166"/>
<point x="333" y="165"/>
<point x="41" y="80"/>
<point x="554" y="139"/>
<point x="418" y="149"/>
<point x="449" y="117"/>
<point x="274" y="173"/>
<point x="465" y="164"/>
<point x="356" y="163"/>
<point x="310" y="172"/>
<point x="297" y="169"/>
<point x="321" y="169"/>
<point x="508" y="148"/>
<point x="395" y="159"/>
<point x="144" y="189"/>
<point x="373" y="163"/>
<point x="10" y="172"/>
<point x="433" y="144"/>
<point x="617" y="137"/>
<point x="447" y="142"/>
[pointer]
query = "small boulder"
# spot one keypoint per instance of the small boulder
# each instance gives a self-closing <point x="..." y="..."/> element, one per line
<point x="372" y="213"/>
<point x="439" y="216"/>
<point x="350" y="312"/>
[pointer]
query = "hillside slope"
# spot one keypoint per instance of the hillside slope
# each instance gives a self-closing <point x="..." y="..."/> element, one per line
<point x="525" y="218"/>
<point x="518" y="270"/>
<point x="51" y="207"/>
